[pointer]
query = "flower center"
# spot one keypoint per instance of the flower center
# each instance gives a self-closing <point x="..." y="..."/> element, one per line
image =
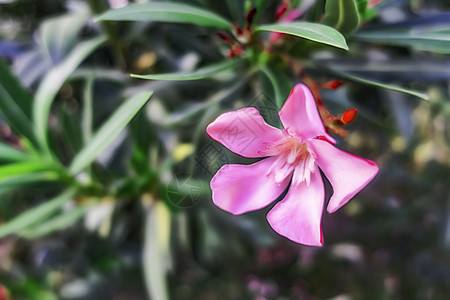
<point x="294" y="157"/>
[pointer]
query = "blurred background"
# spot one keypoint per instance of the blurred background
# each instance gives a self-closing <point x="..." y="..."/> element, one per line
<point x="93" y="206"/>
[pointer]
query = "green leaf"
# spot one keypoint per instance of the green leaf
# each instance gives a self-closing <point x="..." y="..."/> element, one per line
<point x="26" y="178"/>
<point x="342" y="15"/>
<point x="88" y="100"/>
<point x="363" y="80"/>
<point x="109" y="131"/>
<point x="201" y="73"/>
<point x="166" y="12"/>
<point x="438" y="42"/>
<point x="36" y="214"/>
<point x="53" y="82"/>
<point x="59" y="222"/>
<point x="15" y="103"/>
<point x="274" y="93"/>
<point x="59" y="34"/>
<point x="21" y="168"/>
<point x="275" y="85"/>
<point x="8" y="153"/>
<point x="21" y="180"/>
<point x="311" y="31"/>
<point x="157" y="250"/>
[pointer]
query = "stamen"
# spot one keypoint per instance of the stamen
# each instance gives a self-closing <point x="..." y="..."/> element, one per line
<point x="293" y="157"/>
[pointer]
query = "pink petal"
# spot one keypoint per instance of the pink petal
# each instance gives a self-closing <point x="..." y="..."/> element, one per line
<point x="242" y="188"/>
<point x="298" y="216"/>
<point x="347" y="173"/>
<point x="299" y="114"/>
<point x="244" y="132"/>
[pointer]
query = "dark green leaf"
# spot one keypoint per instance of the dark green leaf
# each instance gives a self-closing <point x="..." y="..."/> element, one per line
<point x="15" y="103"/>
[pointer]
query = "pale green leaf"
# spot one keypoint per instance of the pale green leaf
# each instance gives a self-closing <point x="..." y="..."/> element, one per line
<point x="201" y="73"/>
<point x="36" y="214"/>
<point x="59" y="34"/>
<point x="156" y="250"/>
<point x="53" y="82"/>
<point x="438" y="42"/>
<point x="166" y="12"/>
<point x="88" y="100"/>
<point x="8" y="153"/>
<point x="311" y="31"/>
<point x="393" y="87"/>
<point x="109" y="131"/>
<point x="56" y="223"/>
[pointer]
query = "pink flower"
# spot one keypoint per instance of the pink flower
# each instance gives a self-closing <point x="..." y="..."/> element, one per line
<point x="294" y="156"/>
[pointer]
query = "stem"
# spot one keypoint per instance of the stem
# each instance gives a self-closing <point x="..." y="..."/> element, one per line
<point x="97" y="7"/>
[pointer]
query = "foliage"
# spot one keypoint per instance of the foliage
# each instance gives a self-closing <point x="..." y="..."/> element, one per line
<point x="105" y="163"/>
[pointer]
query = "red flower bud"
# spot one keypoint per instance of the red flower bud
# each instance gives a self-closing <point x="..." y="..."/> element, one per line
<point x="349" y="116"/>
<point x="251" y="15"/>
<point x="238" y="30"/>
<point x="238" y="50"/>
<point x="281" y="10"/>
<point x="335" y="84"/>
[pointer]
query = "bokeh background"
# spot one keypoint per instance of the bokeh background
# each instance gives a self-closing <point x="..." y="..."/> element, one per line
<point x="142" y="224"/>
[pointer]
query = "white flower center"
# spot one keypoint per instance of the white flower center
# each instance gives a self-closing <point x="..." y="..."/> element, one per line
<point x="293" y="156"/>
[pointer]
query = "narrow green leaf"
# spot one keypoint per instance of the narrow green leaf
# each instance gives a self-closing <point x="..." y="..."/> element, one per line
<point x="21" y="180"/>
<point x="201" y="73"/>
<point x="57" y="223"/>
<point x="166" y="12"/>
<point x="59" y="34"/>
<point x="53" y="82"/>
<point x="236" y="9"/>
<point x="36" y="214"/>
<point x="8" y="153"/>
<point x="342" y="15"/>
<point x="275" y="86"/>
<point x="109" y="131"/>
<point x="315" y="32"/>
<point x="438" y="42"/>
<point x="87" y="109"/>
<point x="196" y="109"/>
<point x="363" y="80"/>
<point x="113" y="75"/>
<point x="157" y="250"/>
<point x="22" y="168"/>
<point x="15" y="103"/>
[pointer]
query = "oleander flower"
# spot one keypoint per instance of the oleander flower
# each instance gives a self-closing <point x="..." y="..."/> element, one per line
<point x="292" y="158"/>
